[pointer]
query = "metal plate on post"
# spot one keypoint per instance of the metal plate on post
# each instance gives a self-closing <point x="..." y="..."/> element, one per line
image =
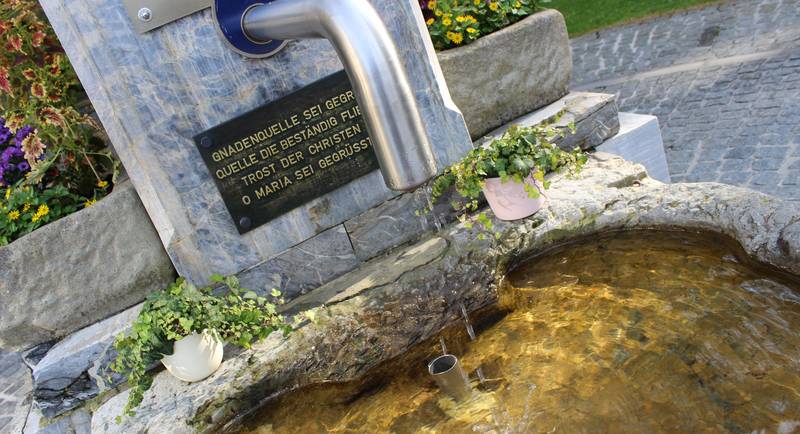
<point x="151" y="14"/>
<point x="288" y="152"/>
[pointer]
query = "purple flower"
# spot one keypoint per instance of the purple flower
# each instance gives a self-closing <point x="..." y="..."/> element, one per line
<point x="12" y="158"/>
<point x="7" y="154"/>
<point x="22" y="134"/>
<point x="10" y="153"/>
<point x="5" y="132"/>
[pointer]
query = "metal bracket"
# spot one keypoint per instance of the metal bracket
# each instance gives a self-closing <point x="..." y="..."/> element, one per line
<point x="229" y="16"/>
<point x="148" y="15"/>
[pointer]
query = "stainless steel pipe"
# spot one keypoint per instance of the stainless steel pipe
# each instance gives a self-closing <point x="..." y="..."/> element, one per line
<point x="446" y="370"/>
<point x="379" y="80"/>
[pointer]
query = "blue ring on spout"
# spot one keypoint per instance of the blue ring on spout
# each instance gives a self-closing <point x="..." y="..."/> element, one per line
<point x="229" y="15"/>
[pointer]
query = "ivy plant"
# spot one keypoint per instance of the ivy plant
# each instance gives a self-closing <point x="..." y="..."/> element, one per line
<point x="519" y="153"/>
<point x="238" y="316"/>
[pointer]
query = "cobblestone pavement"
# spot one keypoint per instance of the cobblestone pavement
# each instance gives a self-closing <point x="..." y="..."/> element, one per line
<point x="724" y="82"/>
<point x="15" y="392"/>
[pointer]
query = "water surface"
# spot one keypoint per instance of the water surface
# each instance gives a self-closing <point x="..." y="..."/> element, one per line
<point x="624" y="332"/>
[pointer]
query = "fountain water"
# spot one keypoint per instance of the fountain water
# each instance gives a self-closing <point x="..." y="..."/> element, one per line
<point x="660" y="333"/>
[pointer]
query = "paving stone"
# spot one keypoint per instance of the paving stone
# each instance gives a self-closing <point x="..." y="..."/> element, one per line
<point x="773" y="152"/>
<point x="685" y="37"/>
<point x="738" y="109"/>
<point x="765" y="179"/>
<point x="763" y="164"/>
<point x="716" y="120"/>
<point x="791" y="179"/>
<point x="15" y="392"/>
<point x="733" y="178"/>
<point x="711" y="154"/>
<point x="735" y="164"/>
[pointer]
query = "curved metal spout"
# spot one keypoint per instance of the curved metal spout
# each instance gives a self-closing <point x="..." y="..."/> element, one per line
<point x="379" y="81"/>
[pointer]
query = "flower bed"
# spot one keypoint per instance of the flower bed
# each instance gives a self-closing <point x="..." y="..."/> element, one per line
<point x="52" y="161"/>
<point x="452" y="23"/>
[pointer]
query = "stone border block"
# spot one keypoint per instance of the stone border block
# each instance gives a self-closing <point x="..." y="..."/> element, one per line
<point x="79" y="270"/>
<point x="510" y="72"/>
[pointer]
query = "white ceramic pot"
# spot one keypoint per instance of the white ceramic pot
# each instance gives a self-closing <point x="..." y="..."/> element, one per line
<point x="196" y="357"/>
<point x="510" y="201"/>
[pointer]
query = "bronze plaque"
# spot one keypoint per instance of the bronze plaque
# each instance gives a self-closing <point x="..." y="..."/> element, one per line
<point x="288" y="152"/>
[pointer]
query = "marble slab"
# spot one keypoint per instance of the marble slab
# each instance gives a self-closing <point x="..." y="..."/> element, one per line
<point x="154" y="92"/>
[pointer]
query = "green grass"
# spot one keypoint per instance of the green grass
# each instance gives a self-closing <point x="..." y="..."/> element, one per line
<point x="584" y="16"/>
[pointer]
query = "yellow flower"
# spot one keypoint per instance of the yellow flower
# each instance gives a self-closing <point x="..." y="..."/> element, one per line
<point x="102" y="184"/>
<point x="447" y="21"/>
<point x="478" y="2"/>
<point x="8" y="193"/>
<point x="456" y="37"/>
<point x="43" y="210"/>
<point x="89" y="203"/>
<point x="494" y="6"/>
<point x="430" y="21"/>
<point x="471" y="19"/>
<point x="461" y="18"/>
<point x="13" y="215"/>
<point x="432" y="4"/>
<point x="471" y="30"/>
<point x="517" y="5"/>
<point x="437" y="12"/>
<point x="26" y="207"/>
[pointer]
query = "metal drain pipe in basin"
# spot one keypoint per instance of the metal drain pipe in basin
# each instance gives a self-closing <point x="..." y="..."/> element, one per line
<point x="446" y="370"/>
<point x="379" y="80"/>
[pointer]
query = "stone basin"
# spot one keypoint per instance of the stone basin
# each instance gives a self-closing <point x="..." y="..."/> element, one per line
<point x="626" y="331"/>
<point x="396" y="301"/>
